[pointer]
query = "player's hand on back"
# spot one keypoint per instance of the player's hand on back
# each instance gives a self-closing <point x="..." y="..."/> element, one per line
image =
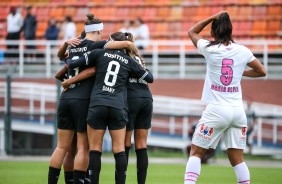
<point x="66" y="84"/>
<point x="74" y="41"/>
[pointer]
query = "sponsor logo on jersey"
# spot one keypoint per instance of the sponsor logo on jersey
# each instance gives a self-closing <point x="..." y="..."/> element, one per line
<point x="115" y="56"/>
<point x="79" y="49"/>
<point x="205" y="130"/>
<point x="244" y="130"/>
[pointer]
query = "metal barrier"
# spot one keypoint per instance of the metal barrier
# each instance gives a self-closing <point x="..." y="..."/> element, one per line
<point x="157" y="57"/>
<point x="173" y="115"/>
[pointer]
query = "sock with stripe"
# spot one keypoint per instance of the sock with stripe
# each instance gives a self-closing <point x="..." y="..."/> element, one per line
<point x="142" y="165"/>
<point x="78" y="176"/>
<point x="242" y="172"/>
<point x="193" y="170"/>
<point x="94" y="166"/>
<point x="69" y="177"/>
<point x="121" y="166"/>
<point x="53" y="175"/>
<point x="87" y="177"/>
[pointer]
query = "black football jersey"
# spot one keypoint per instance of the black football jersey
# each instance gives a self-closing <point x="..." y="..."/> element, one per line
<point x="138" y="88"/>
<point x="113" y="68"/>
<point x="81" y="90"/>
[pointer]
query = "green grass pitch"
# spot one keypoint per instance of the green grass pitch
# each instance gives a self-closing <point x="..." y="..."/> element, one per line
<point x="36" y="173"/>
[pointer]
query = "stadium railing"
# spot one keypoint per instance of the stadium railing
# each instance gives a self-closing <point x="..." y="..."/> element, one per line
<point x="166" y="58"/>
<point x="33" y="103"/>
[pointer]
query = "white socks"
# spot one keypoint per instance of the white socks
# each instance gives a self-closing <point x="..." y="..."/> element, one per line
<point x="242" y="173"/>
<point x="193" y="169"/>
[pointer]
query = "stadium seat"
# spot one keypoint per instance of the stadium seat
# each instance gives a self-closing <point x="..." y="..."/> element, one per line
<point x="81" y="14"/>
<point x="42" y="13"/>
<point x="245" y="29"/>
<point x="202" y="13"/>
<point x="123" y="13"/>
<point x="136" y="12"/>
<point x="4" y="11"/>
<point x="232" y="11"/>
<point x="189" y="12"/>
<point x="149" y="14"/>
<point x="273" y="27"/>
<point x="70" y="11"/>
<point x="274" y="12"/>
<point x="57" y="13"/>
<point x="259" y="11"/>
<point x="176" y="13"/>
<point x="41" y="28"/>
<point x="163" y="13"/>
<point x="259" y="28"/>
<point x="245" y="12"/>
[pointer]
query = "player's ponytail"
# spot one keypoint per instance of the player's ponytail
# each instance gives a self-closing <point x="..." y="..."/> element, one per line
<point x="91" y="19"/>
<point x="221" y="30"/>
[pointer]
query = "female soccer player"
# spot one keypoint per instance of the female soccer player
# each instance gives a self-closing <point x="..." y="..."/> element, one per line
<point x="108" y="104"/>
<point x="224" y="114"/>
<point x="73" y="105"/>
<point x="140" y="106"/>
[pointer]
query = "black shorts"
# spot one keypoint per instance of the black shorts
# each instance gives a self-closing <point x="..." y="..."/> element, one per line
<point x="140" y="113"/>
<point x="72" y="114"/>
<point x="101" y="117"/>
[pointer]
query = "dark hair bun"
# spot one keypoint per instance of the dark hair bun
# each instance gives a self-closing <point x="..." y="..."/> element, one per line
<point x="90" y="16"/>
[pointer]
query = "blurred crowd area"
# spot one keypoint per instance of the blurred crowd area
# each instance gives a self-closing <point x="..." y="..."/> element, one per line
<point x="165" y="19"/>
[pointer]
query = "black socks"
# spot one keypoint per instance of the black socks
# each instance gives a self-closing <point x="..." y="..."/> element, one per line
<point x="94" y="166"/>
<point x="53" y="175"/>
<point x="69" y="177"/>
<point x="121" y="166"/>
<point x="142" y="165"/>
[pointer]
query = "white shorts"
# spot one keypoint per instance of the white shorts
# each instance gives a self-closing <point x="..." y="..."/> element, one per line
<point x="216" y="120"/>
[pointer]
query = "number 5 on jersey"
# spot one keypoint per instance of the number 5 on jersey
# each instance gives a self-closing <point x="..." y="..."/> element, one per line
<point x="227" y="72"/>
<point x="114" y="73"/>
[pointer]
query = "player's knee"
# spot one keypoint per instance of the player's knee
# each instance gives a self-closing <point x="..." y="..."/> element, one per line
<point x="140" y="144"/>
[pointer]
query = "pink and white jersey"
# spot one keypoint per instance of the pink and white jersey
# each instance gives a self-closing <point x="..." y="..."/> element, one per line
<point x="225" y="67"/>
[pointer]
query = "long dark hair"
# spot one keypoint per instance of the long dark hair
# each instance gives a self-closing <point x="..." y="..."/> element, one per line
<point x="119" y="36"/>
<point x="221" y="30"/>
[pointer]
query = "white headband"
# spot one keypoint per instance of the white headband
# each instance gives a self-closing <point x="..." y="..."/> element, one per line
<point x="93" y="27"/>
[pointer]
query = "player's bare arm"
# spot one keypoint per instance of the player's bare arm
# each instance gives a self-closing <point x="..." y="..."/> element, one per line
<point x="123" y="45"/>
<point x="256" y="69"/>
<point x="89" y="72"/>
<point x="62" y="54"/>
<point x="194" y="31"/>
<point x="60" y="75"/>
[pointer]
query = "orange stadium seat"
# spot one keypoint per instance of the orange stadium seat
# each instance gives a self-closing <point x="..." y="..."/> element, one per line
<point x="202" y="13"/>
<point x="259" y="28"/>
<point x="149" y="14"/>
<point x="163" y="13"/>
<point x="273" y="27"/>
<point x="216" y="9"/>
<point x="41" y="28"/>
<point x="176" y="13"/>
<point x="245" y="12"/>
<point x="274" y="12"/>
<point x="4" y="11"/>
<point x="189" y="12"/>
<point x="123" y="13"/>
<point x="232" y="11"/>
<point x="259" y="12"/>
<point x="245" y="29"/>
<point x="57" y="13"/>
<point x="42" y="13"/>
<point x="136" y="12"/>
<point x="81" y="14"/>
<point x="70" y="11"/>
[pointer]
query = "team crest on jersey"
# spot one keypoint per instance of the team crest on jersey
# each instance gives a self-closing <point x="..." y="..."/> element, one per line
<point x="206" y="130"/>
<point x="244" y="130"/>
